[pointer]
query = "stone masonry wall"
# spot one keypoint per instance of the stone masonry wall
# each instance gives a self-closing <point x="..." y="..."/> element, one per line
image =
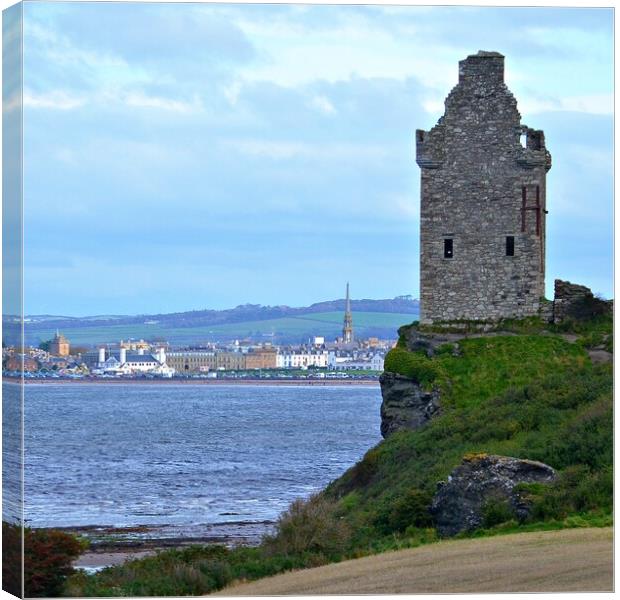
<point x="572" y="301"/>
<point x="474" y="167"/>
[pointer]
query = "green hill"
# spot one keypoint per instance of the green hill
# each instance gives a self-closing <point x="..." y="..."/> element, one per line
<point x="286" y="329"/>
<point x="280" y="324"/>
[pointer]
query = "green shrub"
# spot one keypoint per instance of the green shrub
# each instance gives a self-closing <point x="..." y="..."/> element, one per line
<point x="350" y="502"/>
<point x="495" y="512"/>
<point x="403" y="332"/>
<point x="310" y="526"/>
<point x="577" y="490"/>
<point x="362" y="473"/>
<point x="587" y="438"/>
<point x="415" y="365"/>
<point x="445" y="349"/>
<point x="409" y="510"/>
<point x="412" y="509"/>
<point x="191" y="571"/>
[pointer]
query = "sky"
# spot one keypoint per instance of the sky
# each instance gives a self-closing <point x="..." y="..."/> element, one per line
<point x="189" y="156"/>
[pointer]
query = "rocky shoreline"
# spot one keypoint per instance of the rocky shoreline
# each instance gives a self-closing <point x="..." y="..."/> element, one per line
<point x="109" y="545"/>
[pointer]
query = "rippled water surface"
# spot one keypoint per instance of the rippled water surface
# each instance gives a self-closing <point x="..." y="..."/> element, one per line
<point x="11" y="453"/>
<point x="186" y="454"/>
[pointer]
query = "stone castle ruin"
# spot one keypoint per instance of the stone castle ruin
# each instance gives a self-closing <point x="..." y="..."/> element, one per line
<point x="483" y="203"/>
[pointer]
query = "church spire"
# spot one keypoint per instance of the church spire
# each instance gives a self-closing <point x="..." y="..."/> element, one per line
<point x="347" y="330"/>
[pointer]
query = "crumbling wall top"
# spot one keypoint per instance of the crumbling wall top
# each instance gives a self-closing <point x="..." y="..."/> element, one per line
<point x="487" y="66"/>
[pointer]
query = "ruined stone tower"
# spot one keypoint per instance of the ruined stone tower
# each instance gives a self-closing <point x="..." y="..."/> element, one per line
<point x="483" y="207"/>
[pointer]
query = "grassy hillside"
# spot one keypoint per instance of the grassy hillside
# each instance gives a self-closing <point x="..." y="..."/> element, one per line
<point x="535" y="395"/>
<point x="298" y="328"/>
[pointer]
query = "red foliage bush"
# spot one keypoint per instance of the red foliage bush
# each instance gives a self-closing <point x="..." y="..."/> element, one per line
<point x="48" y="555"/>
<point x="11" y="559"/>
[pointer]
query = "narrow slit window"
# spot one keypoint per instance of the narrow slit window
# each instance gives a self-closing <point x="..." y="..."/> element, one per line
<point x="510" y="245"/>
<point x="448" y="248"/>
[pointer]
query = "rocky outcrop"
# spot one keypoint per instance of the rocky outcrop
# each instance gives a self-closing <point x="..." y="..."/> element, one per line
<point x="480" y="480"/>
<point x="572" y="301"/>
<point x="427" y="342"/>
<point x="405" y="404"/>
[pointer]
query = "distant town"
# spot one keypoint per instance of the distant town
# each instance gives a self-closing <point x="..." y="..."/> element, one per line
<point x="343" y="358"/>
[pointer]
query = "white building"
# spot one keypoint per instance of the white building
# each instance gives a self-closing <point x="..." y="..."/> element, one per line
<point x="301" y="359"/>
<point x="343" y="360"/>
<point x="377" y="361"/>
<point x="339" y="357"/>
<point x="134" y="363"/>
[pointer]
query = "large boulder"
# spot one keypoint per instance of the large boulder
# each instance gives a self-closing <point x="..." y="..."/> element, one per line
<point x="405" y="404"/>
<point x="480" y="481"/>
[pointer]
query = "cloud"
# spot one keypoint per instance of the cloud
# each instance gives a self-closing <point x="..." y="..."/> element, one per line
<point x="55" y="56"/>
<point x="323" y="105"/>
<point x="286" y="150"/>
<point x="142" y="100"/>
<point x="594" y="159"/>
<point x="66" y="101"/>
<point x="231" y="92"/>
<point x="595" y="104"/>
<point x="434" y="106"/>
<point x="133" y="43"/>
<point x="55" y="100"/>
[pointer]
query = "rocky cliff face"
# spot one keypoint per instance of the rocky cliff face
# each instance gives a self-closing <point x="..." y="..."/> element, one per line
<point x="460" y="502"/>
<point x="405" y="404"/>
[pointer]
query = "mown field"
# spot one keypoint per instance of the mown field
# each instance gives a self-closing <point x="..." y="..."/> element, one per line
<point x="328" y="324"/>
<point x="552" y="561"/>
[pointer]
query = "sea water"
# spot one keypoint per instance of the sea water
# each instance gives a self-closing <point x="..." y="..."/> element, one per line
<point x="183" y="456"/>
